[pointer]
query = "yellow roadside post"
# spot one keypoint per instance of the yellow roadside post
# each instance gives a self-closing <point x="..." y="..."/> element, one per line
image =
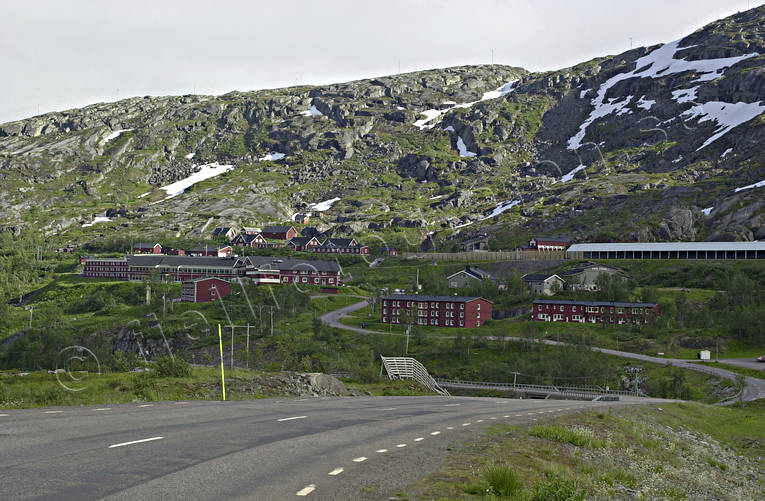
<point x="222" y="373"/>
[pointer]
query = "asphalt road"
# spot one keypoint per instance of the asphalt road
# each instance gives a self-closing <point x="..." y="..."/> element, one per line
<point x="754" y="388"/>
<point x="333" y="448"/>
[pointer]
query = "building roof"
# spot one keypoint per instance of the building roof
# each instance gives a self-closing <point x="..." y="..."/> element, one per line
<point x="204" y="279"/>
<point x="183" y="261"/>
<point x="596" y="303"/>
<point x="301" y="240"/>
<point x="277" y="229"/>
<point x="221" y="230"/>
<point x="669" y="246"/>
<point x="552" y="239"/>
<point x="582" y="269"/>
<point x="474" y="272"/>
<point x="539" y="277"/>
<point x="199" y="248"/>
<point x="339" y="242"/>
<point x="422" y="297"/>
<point x="293" y="264"/>
<point x="144" y="245"/>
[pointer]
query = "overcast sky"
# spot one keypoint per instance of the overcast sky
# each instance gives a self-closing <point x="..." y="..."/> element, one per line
<point x="58" y="54"/>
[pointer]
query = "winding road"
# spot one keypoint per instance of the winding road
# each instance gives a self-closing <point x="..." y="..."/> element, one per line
<point x="754" y="388"/>
<point x="268" y="449"/>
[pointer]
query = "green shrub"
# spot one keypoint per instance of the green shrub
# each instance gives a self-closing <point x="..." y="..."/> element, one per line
<point x="143" y="387"/>
<point x="558" y="489"/>
<point x="580" y="438"/>
<point x="503" y="481"/>
<point x="168" y="366"/>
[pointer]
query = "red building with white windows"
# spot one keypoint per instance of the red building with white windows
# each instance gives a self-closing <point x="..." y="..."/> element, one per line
<point x="440" y="311"/>
<point x="594" y="312"/>
<point x="260" y="269"/>
<point x="204" y="290"/>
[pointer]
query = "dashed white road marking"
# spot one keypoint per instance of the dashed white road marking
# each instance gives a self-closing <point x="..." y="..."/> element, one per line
<point x="103" y="409"/>
<point x="558" y="410"/>
<point x="380" y="451"/>
<point x="3" y="415"/>
<point x="450" y="427"/>
<point x="492" y="417"/>
<point x="419" y="439"/>
<point x="306" y="490"/>
<point x="401" y="445"/>
<point x="508" y="415"/>
<point x="52" y="412"/>
<point x="390" y="409"/>
<point x="529" y="413"/>
<point x="517" y="415"/>
<point x="136" y="442"/>
<point x="291" y="418"/>
<point x="146" y="405"/>
<point x="465" y="424"/>
<point x="479" y="421"/>
<point x="359" y="459"/>
<point x="435" y="433"/>
<point x="336" y="471"/>
<point x="451" y="405"/>
<point x="551" y="411"/>
<point x="180" y="403"/>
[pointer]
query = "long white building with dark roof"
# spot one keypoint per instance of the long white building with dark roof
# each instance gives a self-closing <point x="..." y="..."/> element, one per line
<point x="668" y="250"/>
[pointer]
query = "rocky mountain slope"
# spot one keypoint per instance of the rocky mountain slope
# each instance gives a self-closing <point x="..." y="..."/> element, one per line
<point x="652" y="144"/>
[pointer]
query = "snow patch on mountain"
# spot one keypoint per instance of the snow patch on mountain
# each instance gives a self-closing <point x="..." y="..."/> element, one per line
<point x="685" y="95"/>
<point x="312" y="112"/>
<point x="502" y="207"/>
<point x="463" y="149"/>
<point x="115" y="134"/>
<point x="750" y="186"/>
<point x="644" y="103"/>
<point x="657" y="64"/>
<point x="726" y="152"/>
<point x="325" y="205"/>
<point x="274" y="155"/>
<point x="432" y="114"/>
<point x="97" y="219"/>
<point x="568" y="177"/>
<point x="726" y="115"/>
<point x="206" y="171"/>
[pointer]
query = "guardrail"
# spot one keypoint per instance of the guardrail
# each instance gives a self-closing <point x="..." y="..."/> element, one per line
<point x="581" y="391"/>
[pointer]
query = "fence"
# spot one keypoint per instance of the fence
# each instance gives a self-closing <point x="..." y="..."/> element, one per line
<point x="486" y="256"/>
<point x="589" y="392"/>
<point x="409" y="368"/>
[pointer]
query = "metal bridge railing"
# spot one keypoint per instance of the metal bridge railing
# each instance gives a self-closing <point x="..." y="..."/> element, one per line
<point x="578" y="390"/>
<point x="409" y="368"/>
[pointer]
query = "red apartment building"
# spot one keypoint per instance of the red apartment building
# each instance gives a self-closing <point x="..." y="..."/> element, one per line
<point x="441" y="311"/>
<point x="594" y="312"/>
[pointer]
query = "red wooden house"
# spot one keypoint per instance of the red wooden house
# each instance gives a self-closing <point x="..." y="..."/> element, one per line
<point x="248" y="240"/>
<point x="146" y="248"/>
<point x="279" y="232"/>
<point x="204" y="290"/>
<point x="303" y="243"/>
<point x="441" y="311"/>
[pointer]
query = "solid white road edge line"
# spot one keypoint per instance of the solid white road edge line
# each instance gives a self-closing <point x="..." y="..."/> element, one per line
<point x="337" y="471"/>
<point x="292" y="418"/>
<point x="136" y="442"/>
<point x="103" y="409"/>
<point x="306" y="490"/>
<point x="146" y="405"/>
<point x="52" y="412"/>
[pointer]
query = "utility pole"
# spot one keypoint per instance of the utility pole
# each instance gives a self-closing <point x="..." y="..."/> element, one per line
<point x="31" y="309"/>
<point x="248" y="346"/>
<point x="232" y="346"/>
<point x="272" y="321"/>
<point x="406" y="350"/>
